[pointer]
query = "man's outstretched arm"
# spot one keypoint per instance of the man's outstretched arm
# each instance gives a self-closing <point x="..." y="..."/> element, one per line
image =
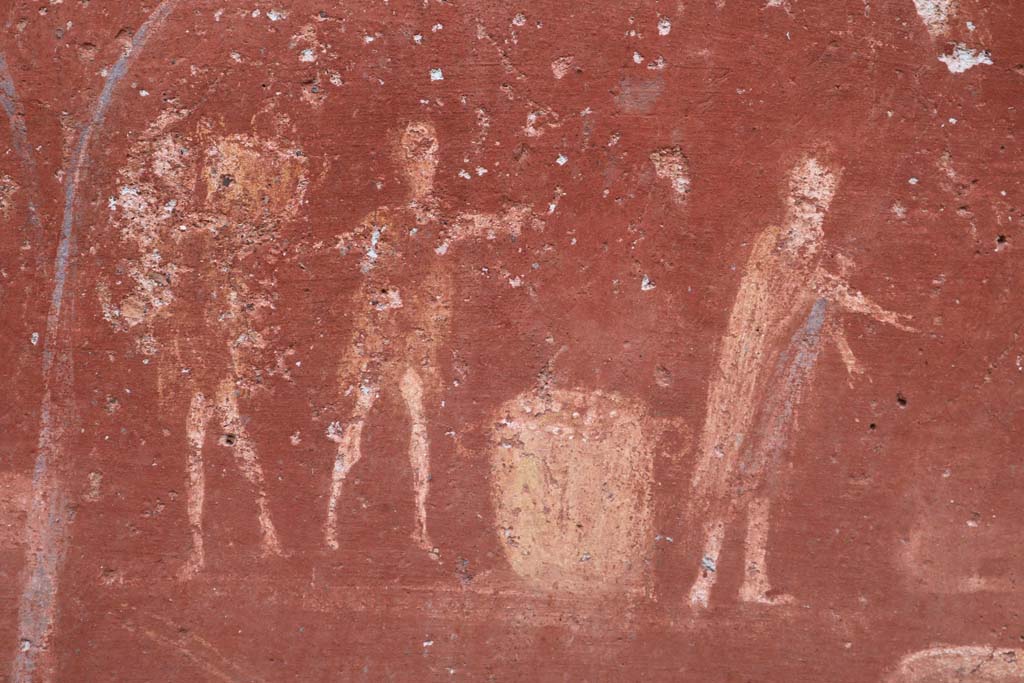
<point x="839" y="291"/>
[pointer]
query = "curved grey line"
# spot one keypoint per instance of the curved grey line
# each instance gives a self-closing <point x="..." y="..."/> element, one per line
<point x="19" y="139"/>
<point x="47" y="517"/>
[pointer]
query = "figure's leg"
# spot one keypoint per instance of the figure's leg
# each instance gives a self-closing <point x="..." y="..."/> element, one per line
<point x="249" y="464"/>
<point x="359" y="371"/>
<point x="714" y="532"/>
<point x="756" y="586"/>
<point x="198" y="416"/>
<point x="419" y="452"/>
<point x="349" y="452"/>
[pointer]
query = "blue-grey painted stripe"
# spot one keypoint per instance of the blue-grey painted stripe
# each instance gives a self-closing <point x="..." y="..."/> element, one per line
<point x="47" y="516"/>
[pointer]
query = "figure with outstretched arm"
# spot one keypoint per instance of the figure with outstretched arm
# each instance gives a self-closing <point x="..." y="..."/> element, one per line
<point x="785" y="307"/>
<point x="401" y="315"/>
<point x="395" y="332"/>
<point x="199" y="212"/>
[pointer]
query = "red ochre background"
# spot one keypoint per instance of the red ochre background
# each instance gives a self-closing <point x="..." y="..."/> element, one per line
<point x="746" y="88"/>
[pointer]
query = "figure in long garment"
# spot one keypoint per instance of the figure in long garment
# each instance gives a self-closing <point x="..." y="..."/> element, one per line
<point x="402" y="314"/>
<point x="785" y="306"/>
<point x="204" y="209"/>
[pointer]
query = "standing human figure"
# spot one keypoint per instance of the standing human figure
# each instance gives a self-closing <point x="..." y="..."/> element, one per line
<point x="782" y="311"/>
<point x="202" y="211"/>
<point x="402" y="310"/>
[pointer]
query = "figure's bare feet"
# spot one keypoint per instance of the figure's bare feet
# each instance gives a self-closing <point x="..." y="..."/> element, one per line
<point x="764" y="598"/>
<point x="423" y="541"/>
<point x="269" y="545"/>
<point x="699" y="597"/>
<point x="756" y="588"/>
<point x="701" y="589"/>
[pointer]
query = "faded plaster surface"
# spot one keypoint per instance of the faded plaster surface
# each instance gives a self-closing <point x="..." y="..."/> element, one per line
<point x="414" y="341"/>
<point x="572" y="475"/>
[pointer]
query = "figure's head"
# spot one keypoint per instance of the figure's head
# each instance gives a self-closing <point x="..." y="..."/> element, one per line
<point x="418" y="156"/>
<point x="811" y="188"/>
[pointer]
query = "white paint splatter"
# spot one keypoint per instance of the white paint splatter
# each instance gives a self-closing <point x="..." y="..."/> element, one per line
<point x="646" y="284"/>
<point x="658" y="64"/>
<point x="392" y="300"/>
<point x="671" y="164"/>
<point x="371" y="253"/>
<point x="964" y="58"/>
<point x="307" y="55"/>
<point x="561" y="66"/>
<point x="539" y="120"/>
<point x="664" y="26"/>
<point x="436" y="74"/>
